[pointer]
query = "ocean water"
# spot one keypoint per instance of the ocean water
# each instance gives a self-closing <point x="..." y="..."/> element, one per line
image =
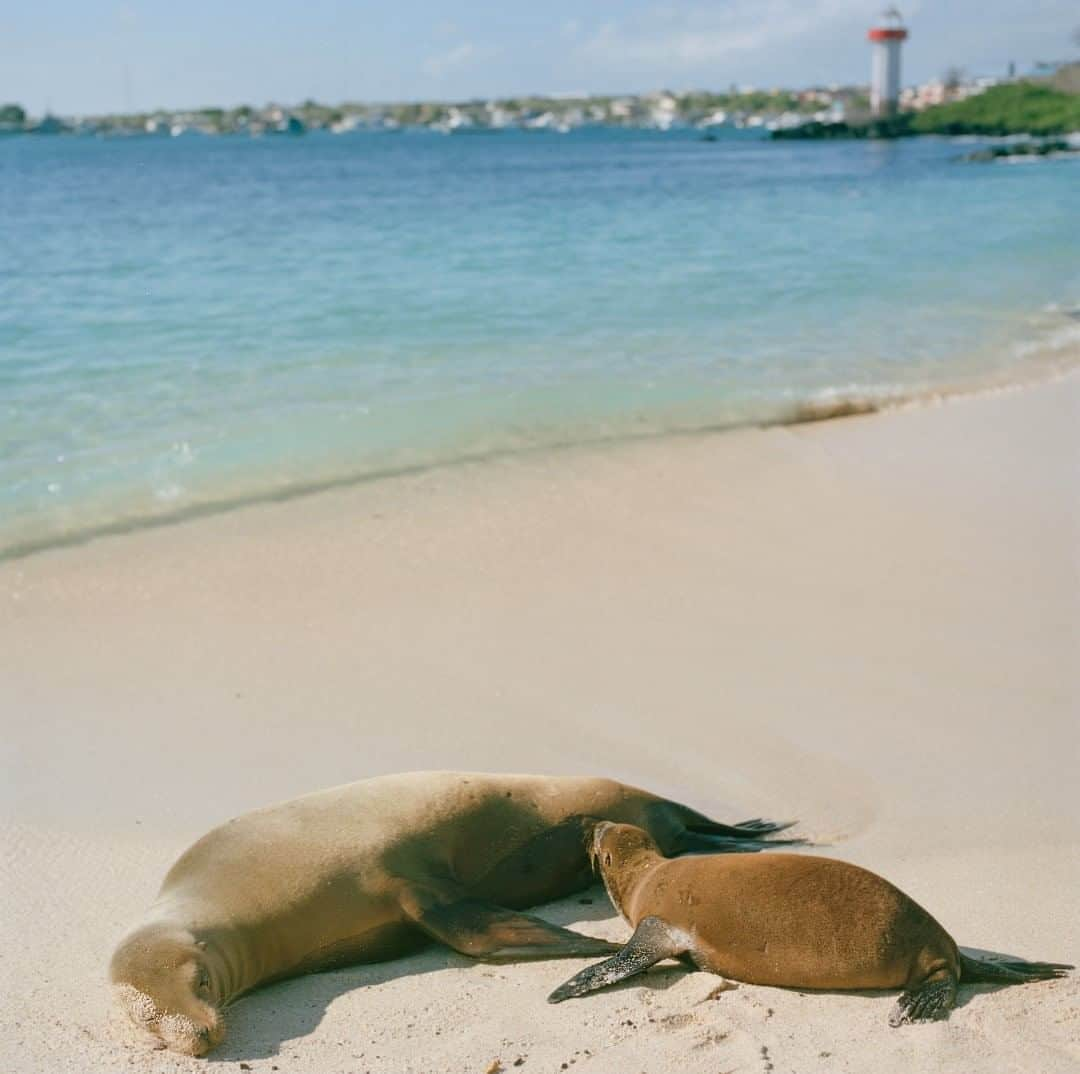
<point x="191" y="323"/>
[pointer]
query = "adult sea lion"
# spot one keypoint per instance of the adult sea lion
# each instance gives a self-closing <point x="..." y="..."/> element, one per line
<point x="787" y="919"/>
<point x="371" y="870"/>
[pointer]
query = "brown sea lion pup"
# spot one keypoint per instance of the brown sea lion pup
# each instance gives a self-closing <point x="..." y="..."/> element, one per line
<point x="786" y="919"/>
<point x="373" y="870"/>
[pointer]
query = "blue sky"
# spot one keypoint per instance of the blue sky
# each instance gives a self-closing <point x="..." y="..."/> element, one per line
<point x="80" y="56"/>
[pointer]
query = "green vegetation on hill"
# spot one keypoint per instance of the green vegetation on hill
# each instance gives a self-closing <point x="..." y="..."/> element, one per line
<point x="1013" y="108"/>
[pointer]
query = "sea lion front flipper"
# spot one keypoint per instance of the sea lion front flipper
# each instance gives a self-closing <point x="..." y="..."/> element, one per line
<point x="932" y="999"/>
<point x="484" y="930"/>
<point x="652" y="942"/>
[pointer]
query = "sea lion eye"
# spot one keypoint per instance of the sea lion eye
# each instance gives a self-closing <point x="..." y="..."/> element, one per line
<point x="203" y="981"/>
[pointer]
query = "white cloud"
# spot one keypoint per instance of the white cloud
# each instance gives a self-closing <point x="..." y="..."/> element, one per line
<point x="444" y="62"/>
<point x="454" y="59"/>
<point x="687" y="36"/>
<point x="126" y="16"/>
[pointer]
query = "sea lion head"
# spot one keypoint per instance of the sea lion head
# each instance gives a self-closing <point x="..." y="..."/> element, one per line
<point x="621" y="853"/>
<point x="161" y="980"/>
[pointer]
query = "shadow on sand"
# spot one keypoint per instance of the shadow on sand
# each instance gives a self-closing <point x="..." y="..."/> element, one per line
<point x="261" y="1023"/>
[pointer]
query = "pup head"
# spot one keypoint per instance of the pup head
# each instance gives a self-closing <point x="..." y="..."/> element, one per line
<point x="620" y="852"/>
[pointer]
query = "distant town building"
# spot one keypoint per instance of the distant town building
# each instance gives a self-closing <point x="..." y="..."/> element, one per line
<point x="942" y="91"/>
<point x="885" y="77"/>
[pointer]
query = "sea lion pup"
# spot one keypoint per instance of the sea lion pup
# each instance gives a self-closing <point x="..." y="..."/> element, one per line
<point x="790" y="920"/>
<point x="372" y="870"/>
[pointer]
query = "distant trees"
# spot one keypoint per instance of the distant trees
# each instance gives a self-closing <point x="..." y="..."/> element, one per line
<point x="1010" y="108"/>
<point x="12" y="115"/>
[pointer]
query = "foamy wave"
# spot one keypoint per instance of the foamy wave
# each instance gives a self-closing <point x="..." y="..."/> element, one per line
<point x="1060" y="340"/>
<point x="1052" y="350"/>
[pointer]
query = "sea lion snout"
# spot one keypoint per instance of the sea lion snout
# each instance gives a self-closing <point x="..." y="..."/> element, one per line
<point x="193" y="1033"/>
<point x="161" y="984"/>
<point x="183" y="1034"/>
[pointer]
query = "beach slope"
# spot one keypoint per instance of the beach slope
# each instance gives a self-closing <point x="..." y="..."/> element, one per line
<point x="870" y="624"/>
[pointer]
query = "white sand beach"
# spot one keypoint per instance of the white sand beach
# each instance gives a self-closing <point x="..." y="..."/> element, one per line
<point x="870" y="624"/>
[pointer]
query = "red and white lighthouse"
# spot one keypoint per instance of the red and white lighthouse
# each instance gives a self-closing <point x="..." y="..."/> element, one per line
<point x="885" y="79"/>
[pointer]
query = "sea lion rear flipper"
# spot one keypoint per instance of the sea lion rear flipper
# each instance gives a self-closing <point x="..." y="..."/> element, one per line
<point x="487" y="931"/>
<point x="690" y="842"/>
<point x="678" y="829"/>
<point x="652" y="942"/>
<point x="745" y="829"/>
<point x="1009" y="970"/>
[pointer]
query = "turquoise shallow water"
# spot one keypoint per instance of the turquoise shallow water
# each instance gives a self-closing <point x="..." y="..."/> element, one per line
<point x="198" y="321"/>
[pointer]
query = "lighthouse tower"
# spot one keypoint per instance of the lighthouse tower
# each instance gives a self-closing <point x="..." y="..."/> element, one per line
<point x="885" y="80"/>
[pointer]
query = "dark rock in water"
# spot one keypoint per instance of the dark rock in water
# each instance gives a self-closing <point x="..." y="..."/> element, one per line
<point x="1053" y="146"/>
<point x="827" y="409"/>
<point x="887" y="127"/>
<point x="816" y="131"/>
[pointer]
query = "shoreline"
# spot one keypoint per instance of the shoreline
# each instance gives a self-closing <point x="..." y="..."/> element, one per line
<point x="870" y="625"/>
<point x="824" y="405"/>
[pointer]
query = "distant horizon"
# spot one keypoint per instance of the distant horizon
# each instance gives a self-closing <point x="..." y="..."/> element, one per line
<point x="290" y="106"/>
<point x="66" y="59"/>
<point x="741" y="90"/>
